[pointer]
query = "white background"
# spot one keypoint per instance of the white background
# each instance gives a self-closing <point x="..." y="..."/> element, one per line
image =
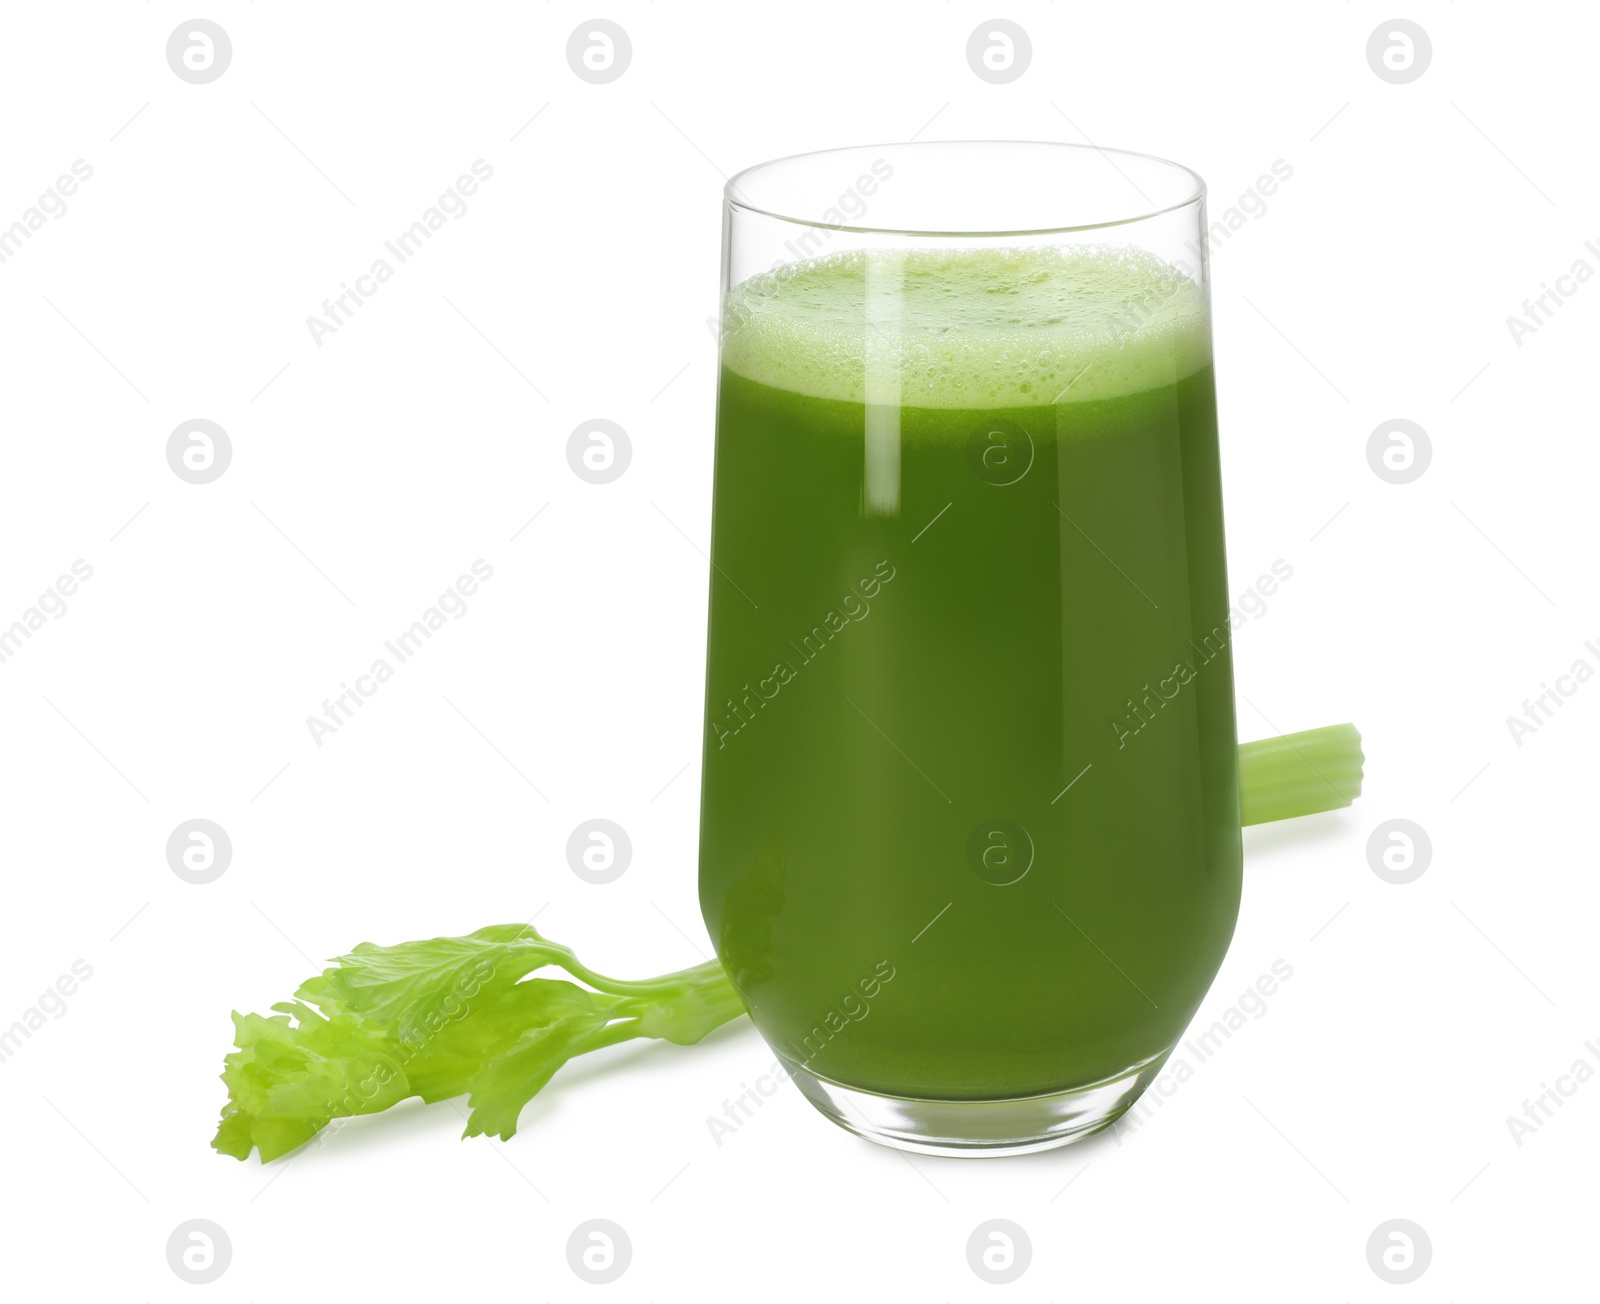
<point x="429" y="430"/>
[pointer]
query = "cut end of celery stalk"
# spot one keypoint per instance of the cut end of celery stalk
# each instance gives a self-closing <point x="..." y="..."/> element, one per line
<point x="1299" y="773"/>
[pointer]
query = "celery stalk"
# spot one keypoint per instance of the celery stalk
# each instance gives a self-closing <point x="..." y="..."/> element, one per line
<point x="1299" y="773"/>
<point x="460" y="1016"/>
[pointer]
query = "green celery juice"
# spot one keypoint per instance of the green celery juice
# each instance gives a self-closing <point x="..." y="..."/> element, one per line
<point x="970" y="822"/>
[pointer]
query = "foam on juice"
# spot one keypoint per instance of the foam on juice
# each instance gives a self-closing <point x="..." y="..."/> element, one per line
<point x="968" y="328"/>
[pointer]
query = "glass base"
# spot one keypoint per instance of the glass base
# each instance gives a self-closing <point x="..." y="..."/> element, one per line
<point x="978" y="1128"/>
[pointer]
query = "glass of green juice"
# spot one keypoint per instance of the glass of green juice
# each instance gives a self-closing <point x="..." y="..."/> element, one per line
<point x="969" y="839"/>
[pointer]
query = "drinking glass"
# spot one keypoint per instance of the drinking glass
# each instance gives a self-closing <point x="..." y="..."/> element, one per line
<point x="969" y="840"/>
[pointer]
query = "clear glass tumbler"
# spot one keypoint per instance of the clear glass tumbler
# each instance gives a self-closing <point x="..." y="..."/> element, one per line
<point x="970" y="824"/>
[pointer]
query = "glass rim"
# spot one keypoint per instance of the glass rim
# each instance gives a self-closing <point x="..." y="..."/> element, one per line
<point x="1196" y="192"/>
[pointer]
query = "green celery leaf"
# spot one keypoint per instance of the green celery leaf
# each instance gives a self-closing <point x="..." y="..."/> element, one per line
<point x="442" y="1017"/>
<point x="286" y="1082"/>
<point x="510" y="1081"/>
<point x="448" y="1064"/>
<point x="413" y="988"/>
